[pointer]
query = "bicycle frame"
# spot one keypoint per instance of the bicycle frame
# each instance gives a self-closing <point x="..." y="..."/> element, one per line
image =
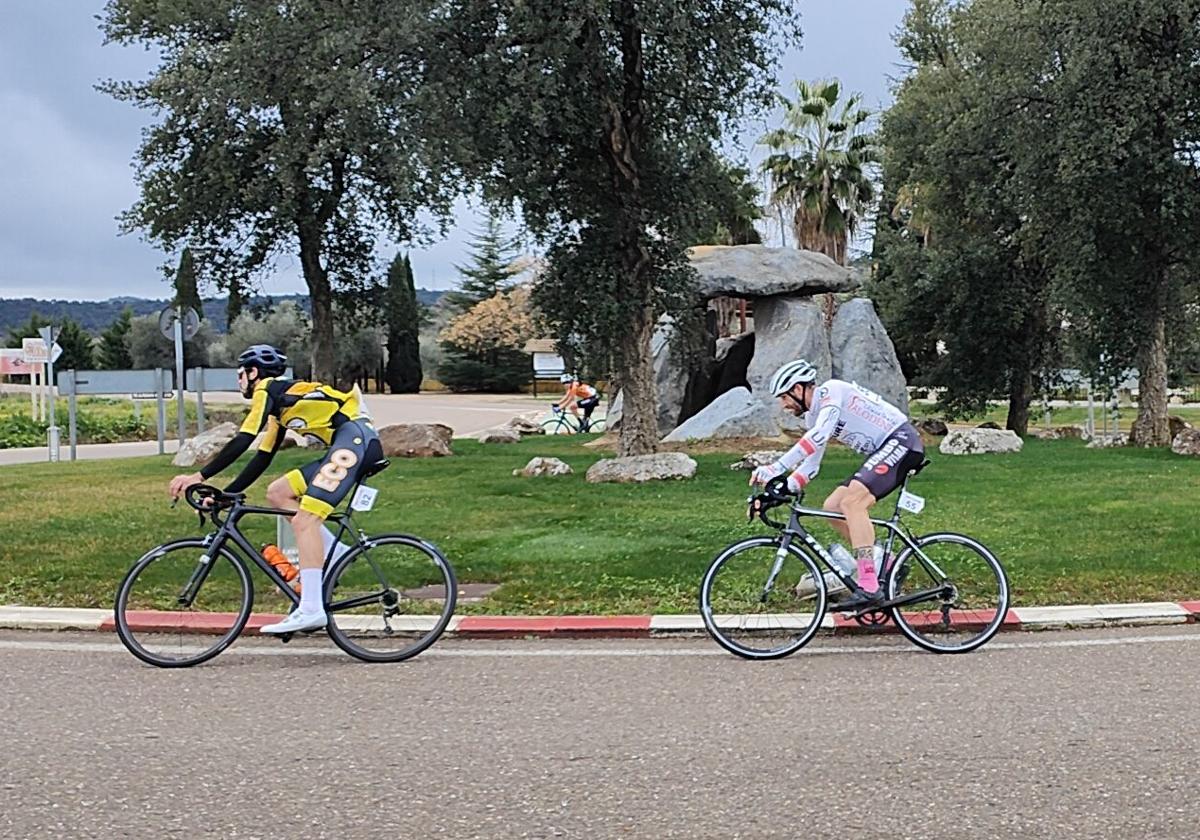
<point x="228" y="531"/>
<point x="895" y="528"/>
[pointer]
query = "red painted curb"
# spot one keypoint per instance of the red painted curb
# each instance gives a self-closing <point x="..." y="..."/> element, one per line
<point x="497" y="626"/>
<point x="1192" y="607"/>
<point x="976" y="619"/>
<point x="153" y="621"/>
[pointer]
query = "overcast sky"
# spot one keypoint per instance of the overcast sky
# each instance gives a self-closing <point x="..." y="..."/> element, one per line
<point x="67" y="150"/>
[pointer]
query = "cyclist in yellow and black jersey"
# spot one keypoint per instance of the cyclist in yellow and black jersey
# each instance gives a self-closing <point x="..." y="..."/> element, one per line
<point x="335" y="418"/>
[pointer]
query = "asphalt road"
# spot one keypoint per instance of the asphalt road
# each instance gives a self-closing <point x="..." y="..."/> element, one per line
<point x="1065" y="735"/>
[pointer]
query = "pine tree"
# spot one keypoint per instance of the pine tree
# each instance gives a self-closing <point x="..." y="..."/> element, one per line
<point x="490" y="270"/>
<point x="402" y="316"/>
<point x="114" y="350"/>
<point x="233" y="308"/>
<point x="186" y="293"/>
<point x="76" y="343"/>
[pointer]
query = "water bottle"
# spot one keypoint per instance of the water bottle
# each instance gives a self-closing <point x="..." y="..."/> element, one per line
<point x="844" y="559"/>
<point x="278" y="559"/>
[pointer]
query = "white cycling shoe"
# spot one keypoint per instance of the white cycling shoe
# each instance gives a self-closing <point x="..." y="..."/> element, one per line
<point x="807" y="587"/>
<point x="297" y="622"/>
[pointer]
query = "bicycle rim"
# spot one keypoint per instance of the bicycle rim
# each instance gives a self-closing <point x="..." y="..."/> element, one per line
<point x="968" y="595"/>
<point x="557" y="426"/>
<point x="753" y="616"/>
<point x="156" y="628"/>
<point x="390" y="599"/>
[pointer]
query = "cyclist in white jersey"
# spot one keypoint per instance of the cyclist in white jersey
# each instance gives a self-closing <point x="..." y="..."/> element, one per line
<point x="868" y="424"/>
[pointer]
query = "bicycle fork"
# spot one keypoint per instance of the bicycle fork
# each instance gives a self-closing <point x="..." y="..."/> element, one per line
<point x="781" y="554"/>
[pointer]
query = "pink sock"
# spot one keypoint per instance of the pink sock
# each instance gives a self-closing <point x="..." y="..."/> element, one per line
<point x="867" y="578"/>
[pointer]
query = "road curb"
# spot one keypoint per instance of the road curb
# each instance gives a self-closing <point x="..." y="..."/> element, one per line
<point x="1063" y="617"/>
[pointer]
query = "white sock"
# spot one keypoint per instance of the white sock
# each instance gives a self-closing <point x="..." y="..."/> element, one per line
<point x="310" y="591"/>
<point x="327" y="540"/>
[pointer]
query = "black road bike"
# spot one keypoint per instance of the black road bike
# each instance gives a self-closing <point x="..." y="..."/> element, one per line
<point x="945" y="591"/>
<point x="388" y="597"/>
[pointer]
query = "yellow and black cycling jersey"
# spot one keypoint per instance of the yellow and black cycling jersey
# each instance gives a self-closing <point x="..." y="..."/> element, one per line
<point x="308" y="408"/>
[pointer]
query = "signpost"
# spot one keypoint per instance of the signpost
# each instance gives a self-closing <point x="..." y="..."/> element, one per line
<point x="108" y="382"/>
<point x="179" y="324"/>
<point x="53" y="351"/>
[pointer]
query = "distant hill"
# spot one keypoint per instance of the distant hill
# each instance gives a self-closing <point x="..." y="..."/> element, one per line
<point x="95" y="316"/>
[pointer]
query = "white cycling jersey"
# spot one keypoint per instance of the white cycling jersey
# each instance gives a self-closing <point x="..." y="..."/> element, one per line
<point x="847" y="412"/>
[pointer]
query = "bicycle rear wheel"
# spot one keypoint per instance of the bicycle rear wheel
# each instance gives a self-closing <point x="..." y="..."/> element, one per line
<point x="182" y="604"/>
<point x="597" y="427"/>
<point x="748" y="600"/>
<point x="389" y="598"/>
<point x="967" y="590"/>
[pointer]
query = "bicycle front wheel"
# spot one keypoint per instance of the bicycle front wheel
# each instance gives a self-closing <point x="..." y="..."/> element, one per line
<point x="558" y="425"/>
<point x="389" y="598"/>
<point x="966" y="591"/>
<point x="181" y="604"/>
<point x="748" y="599"/>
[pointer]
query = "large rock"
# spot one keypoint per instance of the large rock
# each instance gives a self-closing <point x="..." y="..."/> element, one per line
<point x="754" y="460"/>
<point x="862" y="352"/>
<point x="932" y="426"/>
<point x="980" y="442"/>
<point x="1061" y="433"/>
<point x="1109" y="441"/>
<point x="736" y="413"/>
<point x="1175" y="425"/>
<point x="501" y="434"/>
<point x="787" y="328"/>
<point x="732" y="362"/>
<point x="1187" y="442"/>
<point x="639" y="468"/>
<point x="757" y="271"/>
<point x="201" y="448"/>
<point x="416" y="440"/>
<point x="544" y="466"/>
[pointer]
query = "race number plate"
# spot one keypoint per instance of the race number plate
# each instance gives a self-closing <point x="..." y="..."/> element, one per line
<point x="364" y="499"/>
<point x="911" y="502"/>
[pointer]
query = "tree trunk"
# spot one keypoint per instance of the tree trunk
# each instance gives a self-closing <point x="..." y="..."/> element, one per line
<point x="1020" y="395"/>
<point x="1151" y="427"/>
<point x="320" y="296"/>
<point x="639" y="418"/>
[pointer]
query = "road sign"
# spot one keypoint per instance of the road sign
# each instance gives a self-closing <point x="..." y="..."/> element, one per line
<point x="166" y="322"/>
<point x="34" y="351"/>
<point x="12" y="363"/>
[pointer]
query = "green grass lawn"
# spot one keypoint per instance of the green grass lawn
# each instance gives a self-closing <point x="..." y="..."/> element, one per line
<point x="1075" y="415"/>
<point x="1071" y="525"/>
<point x="103" y="420"/>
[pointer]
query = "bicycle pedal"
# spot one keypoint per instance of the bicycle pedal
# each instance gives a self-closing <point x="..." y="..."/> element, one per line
<point x="285" y="637"/>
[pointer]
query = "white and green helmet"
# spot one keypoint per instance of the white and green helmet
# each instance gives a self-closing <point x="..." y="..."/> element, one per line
<point x="793" y="373"/>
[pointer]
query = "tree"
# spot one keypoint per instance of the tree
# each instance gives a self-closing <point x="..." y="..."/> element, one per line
<point x="27" y="330"/>
<point x="186" y="293"/>
<point x="819" y="165"/>
<point x="491" y="269"/>
<point x="285" y="124"/>
<point x="595" y="118"/>
<point x="77" y="345"/>
<point x="113" y="353"/>
<point x="402" y="315"/>
<point x="738" y="207"/>
<point x="148" y="348"/>
<point x="235" y="303"/>
<point x="961" y="279"/>
<point x="483" y="345"/>
<point x="285" y="327"/>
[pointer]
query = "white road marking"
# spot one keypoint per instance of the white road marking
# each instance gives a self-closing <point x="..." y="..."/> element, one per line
<point x="488" y="650"/>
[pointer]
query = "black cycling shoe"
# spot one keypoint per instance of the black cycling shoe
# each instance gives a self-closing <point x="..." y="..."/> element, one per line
<point x="860" y="601"/>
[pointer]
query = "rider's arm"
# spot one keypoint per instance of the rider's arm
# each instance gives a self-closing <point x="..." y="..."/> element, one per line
<point x="272" y="439"/>
<point x="251" y="426"/>
<point x="804" y="459"/>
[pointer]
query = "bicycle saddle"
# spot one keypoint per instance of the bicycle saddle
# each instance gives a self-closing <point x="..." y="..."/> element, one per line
<point x="378" y="467"/>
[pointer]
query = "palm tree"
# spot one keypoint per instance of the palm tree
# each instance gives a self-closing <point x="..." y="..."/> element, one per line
<point x="818" y="167"/>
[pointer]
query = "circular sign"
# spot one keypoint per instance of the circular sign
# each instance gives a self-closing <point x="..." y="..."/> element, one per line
<point x="166" y="322"/>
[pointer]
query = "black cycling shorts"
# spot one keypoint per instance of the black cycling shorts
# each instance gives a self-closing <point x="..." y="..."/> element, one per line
<point x="322" y="484"/>
<point x="886" y="468"/>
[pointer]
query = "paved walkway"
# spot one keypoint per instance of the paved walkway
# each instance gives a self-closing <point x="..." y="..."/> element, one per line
<point x="465" y="413"/>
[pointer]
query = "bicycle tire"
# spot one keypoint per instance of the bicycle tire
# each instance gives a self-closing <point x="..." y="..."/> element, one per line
<point x="721" y="630"/>
<point x="597" y="427"/>
<point x="429" y="627"/>
<point x="131" y="636"/>
<point x="558" y="426"/>
<point x="919" y="629"/>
